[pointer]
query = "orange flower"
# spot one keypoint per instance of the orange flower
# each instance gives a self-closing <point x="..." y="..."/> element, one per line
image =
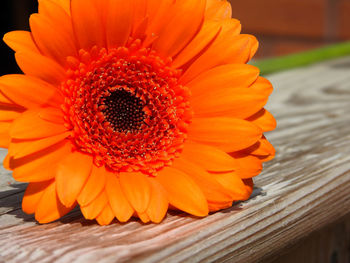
<point x="129" y="107"/>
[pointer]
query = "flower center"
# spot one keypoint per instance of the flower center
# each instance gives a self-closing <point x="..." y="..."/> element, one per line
<point x="126" y="108"/>
<point x="124" y="111"/>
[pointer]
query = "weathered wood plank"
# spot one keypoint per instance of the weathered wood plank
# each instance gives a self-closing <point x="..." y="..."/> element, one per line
<point x="304" y="189"/>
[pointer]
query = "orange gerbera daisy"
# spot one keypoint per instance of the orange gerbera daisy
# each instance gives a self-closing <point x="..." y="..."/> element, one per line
<point x="130" y="107"/>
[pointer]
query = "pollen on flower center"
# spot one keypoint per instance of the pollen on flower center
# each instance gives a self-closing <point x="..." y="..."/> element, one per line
<point x="124" y="111"/>
<point x="126" y="108"/>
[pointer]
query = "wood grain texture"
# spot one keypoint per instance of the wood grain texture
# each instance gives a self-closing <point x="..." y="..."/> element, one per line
<point x="304" y="189"/>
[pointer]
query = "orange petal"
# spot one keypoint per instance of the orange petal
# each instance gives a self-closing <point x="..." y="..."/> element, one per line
<point x="50" y="208"/>
<point x="137" y="190"/>
<point x="218" y="10"/>
<point x="9" y="115"/>
<point x="228" y="102"/>
<point x="144" y="217"/>
<point x="32" y="196"/>
<point x="6" y="101"/>
<point x="254" y="45"/>
<point x="72" y="173"/>
<point x="226" y="76"/>
<point x="119" y="22"/>
<point x="106" y="216"/>
<point x="86" y="18"/>
<point x="30" y="126"/>
<point x="92" y="210"/>
<point x="263" y="147"/>
<point x="234" y="184"/>
<point x="208" y="157"/>
<point x="20" y="41"/>
<point x="39" y="166"/>
<point x="29" y="92"/>
<point x="51" y="114"/>
<point x="264" y="120"/>
<point x="186" y="22"/>
<point x="228" y="134"/>
<point x="4" y="134"/>
<point x="213" y="206"/>
<point x="140" y="9"/>
<point x="247" y="165"/>
<point x="212" y="190"/>
<point x="158" y="205"/>
<point x="205" y="36"/>
<point x="65" y="4"/>
<point x="263" y="86"/>
<point x="118" y="202"/>
<point x="234" y="49"/>
<point x="158" y="13"/>
<point x="182" y="192"/>
<point x="20" y="148"/>
<point x="39" y="66"/>
<point x="94" y="186"/>
<point x="53" y="34"/>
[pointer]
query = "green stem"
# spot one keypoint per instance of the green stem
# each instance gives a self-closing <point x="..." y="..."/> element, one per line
<point x="271" y="65"/>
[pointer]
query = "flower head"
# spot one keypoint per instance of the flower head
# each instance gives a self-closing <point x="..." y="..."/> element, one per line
<point x="128" y="108"/>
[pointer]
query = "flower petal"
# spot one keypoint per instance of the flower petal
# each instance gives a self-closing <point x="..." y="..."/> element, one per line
<point x="50" y="208"/>
<point x="118" y="202"/>
<point x="95" y="184"/>
<point x="106" y="216"/>
<point x="39" y="166"/>
<point x="263" y="148"/>
<point x="262" y="86"/>
<point x="234" y="49"/>
<point x="186" y="22"/>
<point x="137" y="190"/>
<point x="218" y="10"/>
<point x="247" y="165"/>
<point x="182" y="192"/>
<point x="212" y="190"/>
<point x="65" y="4"/>
<point x="119" y="22"/>
<point x="234" y="184"/>
<point x="228" y="134"/>
<point x="158" y="205"/>
<point x="226" y="76"/>
<point x="228" y="102"/>
<point x="52" y="32"/>
<point x="86" y="18"/>
<point x="20" y="148"/>
<point x="32" y="196"/>
<point x="29" y="92"/>
<point x="72" y="173"/>
<point x="208" y="157"/>
<point x="92" y="210"/>
<point x="264" y="120"/>
<point x="9" y="114"/>
<point x="39" y="66"/>
<point x="30" y="126"/>
<point x="205" y="36"/>
<point x="20" y="41"/>
<point x="144" y="217"/>
<point x="158" y="14"/>
<point x="53" y="115"/>
<point x="4" y="134"/>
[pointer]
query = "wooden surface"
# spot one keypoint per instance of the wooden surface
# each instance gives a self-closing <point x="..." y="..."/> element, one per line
<point x="306" y="188"/>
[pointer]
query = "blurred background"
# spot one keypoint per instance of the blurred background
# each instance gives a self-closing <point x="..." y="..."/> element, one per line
<point x="282" y="26"/>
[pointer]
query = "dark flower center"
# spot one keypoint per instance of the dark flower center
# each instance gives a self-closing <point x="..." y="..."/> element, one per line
<point x="124" y="111"/>
<point x="126" y="108"/>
